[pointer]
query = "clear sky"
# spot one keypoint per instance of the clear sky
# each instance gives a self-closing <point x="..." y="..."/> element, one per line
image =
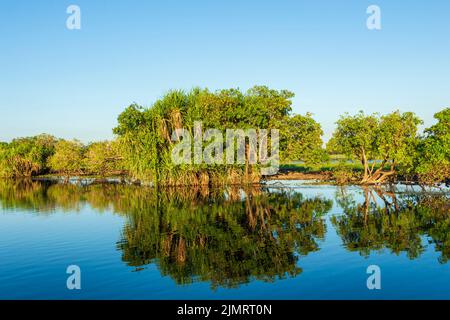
<point x="74" y="83"/>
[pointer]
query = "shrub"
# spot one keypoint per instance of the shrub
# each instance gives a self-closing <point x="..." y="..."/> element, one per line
<point x="103" y="158"/>
<point x="68" y="158"/>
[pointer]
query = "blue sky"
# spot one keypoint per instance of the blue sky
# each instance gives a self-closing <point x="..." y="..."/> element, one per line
<point x="74" y="83"/>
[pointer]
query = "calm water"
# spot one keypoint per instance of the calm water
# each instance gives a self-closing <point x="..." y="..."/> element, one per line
<point x="276" y="242"/>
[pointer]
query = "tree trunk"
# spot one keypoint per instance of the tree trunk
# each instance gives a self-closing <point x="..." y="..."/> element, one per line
<point x="247" y="165"/>
<point x="379" y="176"/>
<point x="365" y="164"/>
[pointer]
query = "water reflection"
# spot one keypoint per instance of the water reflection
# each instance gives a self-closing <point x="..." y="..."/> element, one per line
<point x="232" y="236"/>
<point x="397" y="222"/>
<point x="224" y="238"/>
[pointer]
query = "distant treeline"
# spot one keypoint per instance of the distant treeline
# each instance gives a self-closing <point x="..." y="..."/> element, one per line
<point x="44" y="154"/>
<point x="386" y="145"/>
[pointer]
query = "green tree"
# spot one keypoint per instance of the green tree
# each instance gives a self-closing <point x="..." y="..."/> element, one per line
<point x="103" y="158"/>
<point x="68" y="158"/>
<point x="378" y="142"/>
<point x="303" y="139"/>
<point x="433" y="161"/>
<point x="26" y="157"/>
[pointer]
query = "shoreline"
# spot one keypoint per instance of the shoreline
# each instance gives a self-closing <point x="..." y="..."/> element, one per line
<point x="310" y="178"/>
<point x="295" y="175"/>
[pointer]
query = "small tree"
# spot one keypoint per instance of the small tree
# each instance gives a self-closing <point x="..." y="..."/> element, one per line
<point x="303" y="138"/>
<point x="68" y="158"/>
<point x="102" y="158"/>
<point x="378" y="142"/>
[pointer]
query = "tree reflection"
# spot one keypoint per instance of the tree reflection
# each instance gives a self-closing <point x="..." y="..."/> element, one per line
<point x="394" y="221"/>
<point x="226" y="237"/>
<point x="232" y="236"/>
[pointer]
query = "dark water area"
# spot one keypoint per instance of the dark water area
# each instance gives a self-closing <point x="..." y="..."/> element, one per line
<point x="278" y="241"/>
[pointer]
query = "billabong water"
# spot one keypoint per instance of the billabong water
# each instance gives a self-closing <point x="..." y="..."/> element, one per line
<point x="273" y="241"/>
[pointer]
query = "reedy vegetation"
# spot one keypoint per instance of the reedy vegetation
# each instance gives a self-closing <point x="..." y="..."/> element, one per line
<point x="386" y="145"/>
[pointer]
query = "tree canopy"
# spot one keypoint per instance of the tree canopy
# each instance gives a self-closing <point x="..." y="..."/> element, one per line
<point x="68" y="157"/>
<point x="433" y="161"/>
<point x="378" y="142"/>
<point x="25" y="157"/>
<point x="103" y="158"/>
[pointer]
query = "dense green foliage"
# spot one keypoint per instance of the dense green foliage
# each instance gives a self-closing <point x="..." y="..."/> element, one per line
<point x="378" y="142"/>
<point x="303" y="140"/>
<point x="44" y="154"/>
<point x="433" y="161"/>
<point x="103" y="158"/>
<point x="25" y="157"/>
<point x="68" y="158"/>
<point x="145" y="134"/>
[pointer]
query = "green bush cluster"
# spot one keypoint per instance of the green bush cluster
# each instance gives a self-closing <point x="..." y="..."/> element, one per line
<point x="26" y="157"/>
<point x="44" y="154"/>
